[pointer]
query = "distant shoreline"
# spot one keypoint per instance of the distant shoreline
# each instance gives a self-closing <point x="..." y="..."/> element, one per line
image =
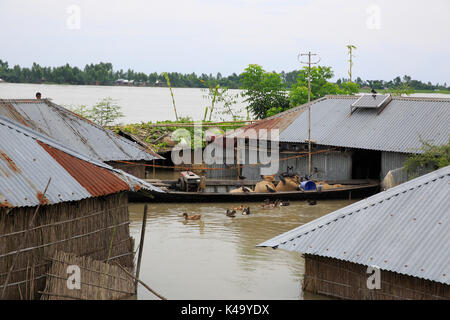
<point x="164" y="86"/>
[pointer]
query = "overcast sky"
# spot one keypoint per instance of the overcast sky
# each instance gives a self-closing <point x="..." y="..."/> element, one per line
<point x="394" y="37"/>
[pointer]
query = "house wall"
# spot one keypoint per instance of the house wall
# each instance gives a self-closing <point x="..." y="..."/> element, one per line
<point x="333" y="165"/>
<point x="390" y="161"/>
<point x="85" y="228"/>
<point x="136" y="169"/>
<point x="347" y="280"/>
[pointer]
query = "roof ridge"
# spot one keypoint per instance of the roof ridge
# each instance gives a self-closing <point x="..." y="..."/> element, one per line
<point x="362" y="204"/>
<point x="61" y="108"/>
<point x="418" y="98"/>
<point x="294" y="109"/>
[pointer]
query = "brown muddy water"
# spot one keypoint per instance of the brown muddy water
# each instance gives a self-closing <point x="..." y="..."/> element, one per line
<point x="217" y="257"/>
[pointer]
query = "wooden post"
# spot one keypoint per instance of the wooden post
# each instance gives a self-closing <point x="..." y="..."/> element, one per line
<point x="153" y="168"/>
<point x="141" y="244"/>
<point x="141" y="282"/>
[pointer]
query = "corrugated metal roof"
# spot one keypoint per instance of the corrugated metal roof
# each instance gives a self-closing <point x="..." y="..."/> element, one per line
<point x="274" y="122"/>
<point x="405" y="229"/>
<point x="399" y="127"/>
<point x="28" y="159"/>
<point x="73" y="130"/>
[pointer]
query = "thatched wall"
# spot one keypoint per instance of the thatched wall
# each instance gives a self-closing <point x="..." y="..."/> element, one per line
<point x="136" y="169"/>
<point x="346" y="280"/>
<point x="84" y="228"/>
<point x="98" y="280"/>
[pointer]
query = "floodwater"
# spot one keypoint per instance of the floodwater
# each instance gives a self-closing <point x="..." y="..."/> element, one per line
<point x="138" y="103"/>
<point x="217" y="257"/>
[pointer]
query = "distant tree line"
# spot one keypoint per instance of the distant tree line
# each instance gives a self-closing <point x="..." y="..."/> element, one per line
<point x="103" y="74"/>
<point x="398" y="82"/>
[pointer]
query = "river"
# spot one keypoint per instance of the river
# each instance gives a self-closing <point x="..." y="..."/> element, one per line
<point x="217" y="257"/>
<point x="138" y="103"/>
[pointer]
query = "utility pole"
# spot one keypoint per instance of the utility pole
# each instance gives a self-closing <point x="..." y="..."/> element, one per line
<point x="309" y="54"/>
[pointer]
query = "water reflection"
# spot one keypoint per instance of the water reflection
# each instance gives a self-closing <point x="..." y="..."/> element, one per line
<point x="216" y="257"/>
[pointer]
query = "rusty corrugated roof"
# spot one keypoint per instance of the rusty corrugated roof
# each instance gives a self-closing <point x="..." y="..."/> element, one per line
<point x="279" y="121"/>
<point x="96" y="180"/>
<point x="28" y="159"/>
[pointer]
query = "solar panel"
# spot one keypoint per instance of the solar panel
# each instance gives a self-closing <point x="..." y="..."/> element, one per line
<point x="371" y="101"/>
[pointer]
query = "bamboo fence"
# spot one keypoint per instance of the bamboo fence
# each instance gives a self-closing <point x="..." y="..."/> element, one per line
<point x="94" y="227"/>
<point x="347" y="280"/>
<point x="97" y="281"/>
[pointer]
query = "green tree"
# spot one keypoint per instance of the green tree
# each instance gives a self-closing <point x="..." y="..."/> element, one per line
<point x="81" y="110"/>
<point x="320" y="86"/>
<point x="433" y="157"/>
<point x="222" y="102"/>
<point x="105" y="112"/>
<point x="264" y="91"/>
<point x="404" y="88"/>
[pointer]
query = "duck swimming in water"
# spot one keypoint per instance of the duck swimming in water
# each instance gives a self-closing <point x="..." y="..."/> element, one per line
<point x="231" y="213"/>
<point x="267" y="204"/>
<point x="193" y="217"/>
<point x="312" y="202"/>
<point x="240" y="208"/>
<point x="246" y="211"/>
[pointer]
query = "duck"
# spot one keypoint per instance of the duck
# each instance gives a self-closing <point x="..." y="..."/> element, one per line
<point x="312" y="202"/>
<point x="268" y="205"/>
<point x="193" y="217"/>
<point x="240" y="208"/>
<point x="246" y="211"/>
<point x="284" y="203"/>
<point x="264" y="204"/>
<point x="231" y="213"/>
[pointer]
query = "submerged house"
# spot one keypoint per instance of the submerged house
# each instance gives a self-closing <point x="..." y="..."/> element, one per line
<point x="352" y="137"/>
<point x="84" y="210"/>
<point x="79" y="134"/>
<point x="402" y="232"/>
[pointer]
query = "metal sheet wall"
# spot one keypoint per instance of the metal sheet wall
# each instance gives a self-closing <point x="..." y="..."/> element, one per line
<point x="333" y="165"/>
<point x="391" y="161"/>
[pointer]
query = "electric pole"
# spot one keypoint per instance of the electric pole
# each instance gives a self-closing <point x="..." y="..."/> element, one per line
<point x="309" y="54"/>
